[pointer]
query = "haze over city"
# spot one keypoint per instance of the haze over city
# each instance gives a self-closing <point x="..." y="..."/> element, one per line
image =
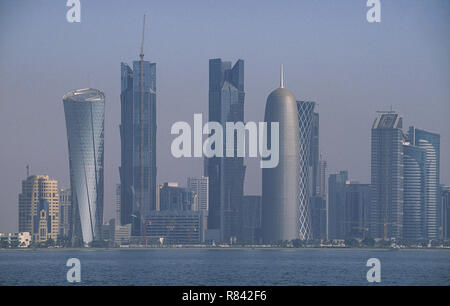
<point x="331" y="55"/>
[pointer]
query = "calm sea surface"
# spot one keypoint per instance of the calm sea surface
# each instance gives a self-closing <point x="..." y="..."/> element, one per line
<point x="225" y="267"/>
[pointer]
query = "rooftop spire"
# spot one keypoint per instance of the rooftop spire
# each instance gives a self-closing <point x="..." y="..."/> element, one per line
<point x="142" y="44"/>
<point x="281" y="77"/>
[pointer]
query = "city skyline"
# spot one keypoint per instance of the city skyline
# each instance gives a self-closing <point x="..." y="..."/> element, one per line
<point x="57" y="167"/>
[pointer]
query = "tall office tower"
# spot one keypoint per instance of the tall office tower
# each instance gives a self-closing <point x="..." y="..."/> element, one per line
<point x="251" y="215"/>
<point x="413" y="192"/>
<point x="387" y="176"/>
<point x="445" y="200"/>
<point x="65" y="213"/>
<point x="318" y="210"/>
<point x="357" y="210"/>
<point x="322" y="185"/>
<point x="336" y="205"/>
<point x="307" y="155"/>
<point x="314" y="156"/>
<point x="118" y="194"/>
<point x="281" y="184"/>
<point x="430" y="143"/>
<point x="200" y="186"/>
<point x="85" y="115"/>
<point x="39" y="208"/>
<point x="138" y="142"/>
<point x="226" y="174"/>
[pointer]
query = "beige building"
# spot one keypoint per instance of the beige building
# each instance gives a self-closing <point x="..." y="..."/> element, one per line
<point x="39" y="208"/>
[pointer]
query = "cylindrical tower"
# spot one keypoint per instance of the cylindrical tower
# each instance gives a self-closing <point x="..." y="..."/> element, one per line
<point x="280" y="185"/>
<point x="85" y="114"/>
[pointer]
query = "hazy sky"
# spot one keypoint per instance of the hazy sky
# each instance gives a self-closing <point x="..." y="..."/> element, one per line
<point x="331" y="55"/>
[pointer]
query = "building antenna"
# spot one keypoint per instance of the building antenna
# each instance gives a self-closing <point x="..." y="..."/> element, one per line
<point x="28" y="170"/>
<point x="281" y="77"/>
<point x="142" y="41"/>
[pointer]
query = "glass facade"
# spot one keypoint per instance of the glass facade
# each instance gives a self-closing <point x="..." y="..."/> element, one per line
<point x="387" y="176"/>
<point x="430" y="143"/>
<point x="85" y="113"/>
<point x="414" y="201"/>
<point x="226" y="174"/>
<point x="138" y="143"/>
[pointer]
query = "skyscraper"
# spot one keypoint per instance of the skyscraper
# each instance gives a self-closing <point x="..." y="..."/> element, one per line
<point x="226" y="174"/>
<point x="251" y="215"/>
<point x="314" y="156"/>
<point x="336" y="205"/>
<point x="138" y="142"/>
<point x="445" y="204"/>
<point x="357" y="210"/>
<point x="39" y="208"/>
<point x="85" y="114"/>
<point x="65" y="213"/>
<point x="281" y="184"/>
<point x="430" y="143"/>
<point x="308" y="158"/>
<point x="200" y="186"/>
<point x="413" y="192"/>
<point x="387" y="176"/>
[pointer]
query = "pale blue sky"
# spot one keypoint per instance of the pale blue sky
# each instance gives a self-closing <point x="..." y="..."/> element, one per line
<point x="331" y="55"/>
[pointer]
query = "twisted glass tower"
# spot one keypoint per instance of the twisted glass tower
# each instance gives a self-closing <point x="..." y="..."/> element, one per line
<point x="85" y="114"/>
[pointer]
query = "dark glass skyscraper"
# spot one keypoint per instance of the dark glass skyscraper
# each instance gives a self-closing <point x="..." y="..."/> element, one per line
<point x="226" y="174"/>
<point x="138" y="143"/>
<point x="85" y="115"/>
<point x="387" y="176"/>
<point x="336" y="205"/>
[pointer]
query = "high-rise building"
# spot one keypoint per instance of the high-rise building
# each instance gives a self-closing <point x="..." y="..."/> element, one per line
<point x="174" y="197"/>
<point x="336" y="205"/>
<point x="200" y="186"/>
<point x="65" y="213"/>
<point x="251" y="219"/>
<point x="226" y="174"/>
<point x="85" y="114"/>
<point x="175" y="227"/>
<point x="318" y="210"/>
<point x="281" y="184"/>
<point x="387" y="176"/>
<point x="430" y="143"/>
<point x="39" y="208"/>
<point x="357" y="210"/>
<point x="322" y="185"/>
<point x="118" y="206"/>
<point x="138" y="142"/>
<point x="314" y="155"/>
<point x="308" y="158"/>
<point x="445" y="198"/>
<point x="413" y="192"/>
